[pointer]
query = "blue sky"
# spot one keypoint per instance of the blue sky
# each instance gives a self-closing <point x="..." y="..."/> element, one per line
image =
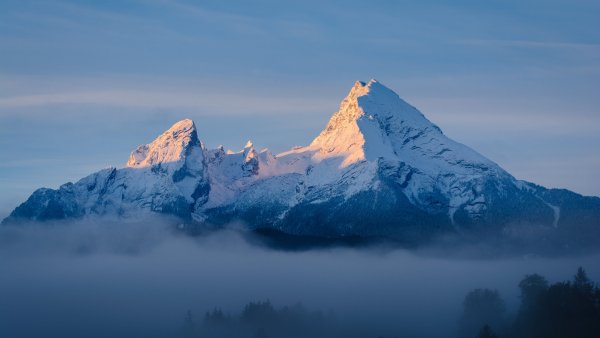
<point x="83" y="83"/>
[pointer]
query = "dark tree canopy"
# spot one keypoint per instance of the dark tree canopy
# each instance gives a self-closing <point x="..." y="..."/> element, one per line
<point x="532" y="286"/>
<point x="482" y="307"/>
<point x="563" y="309"/>
<point x="560" y="310"/>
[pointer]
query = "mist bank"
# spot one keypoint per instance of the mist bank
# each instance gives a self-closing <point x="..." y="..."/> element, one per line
<point x="106" y="278"/>
<point x="514" y="241"/>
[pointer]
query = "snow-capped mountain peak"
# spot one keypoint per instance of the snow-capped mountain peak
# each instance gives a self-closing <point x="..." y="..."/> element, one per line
<point x="379" y="168"/>
<point x="171" y="146"/>
<point x="366" y="121"/>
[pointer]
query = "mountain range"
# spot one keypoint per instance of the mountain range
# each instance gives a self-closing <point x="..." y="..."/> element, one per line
<point x="380" y="168"/>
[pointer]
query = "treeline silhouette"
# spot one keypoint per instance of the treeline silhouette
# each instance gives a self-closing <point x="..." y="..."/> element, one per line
<point x="568" y="309"/>
<point x="262" y="320"/>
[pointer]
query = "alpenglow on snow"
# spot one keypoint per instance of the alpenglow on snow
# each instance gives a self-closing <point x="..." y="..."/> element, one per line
<point x="379" y="168"/>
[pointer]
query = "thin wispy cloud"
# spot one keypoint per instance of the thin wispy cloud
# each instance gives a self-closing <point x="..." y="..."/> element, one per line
<point x="243" y="24"/>
<point x="559" y="45"/>
<point x="550" y="124"/>
<point x="214" y="102"/>
<point x="219" y="103"/>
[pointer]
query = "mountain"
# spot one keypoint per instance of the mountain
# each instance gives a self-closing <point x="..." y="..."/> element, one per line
<point x="380" y="168"/>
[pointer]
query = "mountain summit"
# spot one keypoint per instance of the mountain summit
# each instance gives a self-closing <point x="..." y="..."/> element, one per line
<point x="171" y="146"/>
<point x="380" y="168"/>
<point x="366" y="120"/>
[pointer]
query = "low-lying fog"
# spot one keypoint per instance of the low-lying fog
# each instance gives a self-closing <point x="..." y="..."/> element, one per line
<point x="113" y="280"/>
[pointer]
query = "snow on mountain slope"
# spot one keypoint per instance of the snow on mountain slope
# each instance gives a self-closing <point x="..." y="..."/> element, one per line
<point x="170" y="147"/>
<point x="380" y="167"/>
<point x="375" y="129"/>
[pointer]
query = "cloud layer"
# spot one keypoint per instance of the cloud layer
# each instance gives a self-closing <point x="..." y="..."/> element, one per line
<point x="139" y="279"/>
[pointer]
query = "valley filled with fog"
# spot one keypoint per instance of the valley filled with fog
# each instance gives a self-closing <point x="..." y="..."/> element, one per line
<point x="104" y="278"/>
